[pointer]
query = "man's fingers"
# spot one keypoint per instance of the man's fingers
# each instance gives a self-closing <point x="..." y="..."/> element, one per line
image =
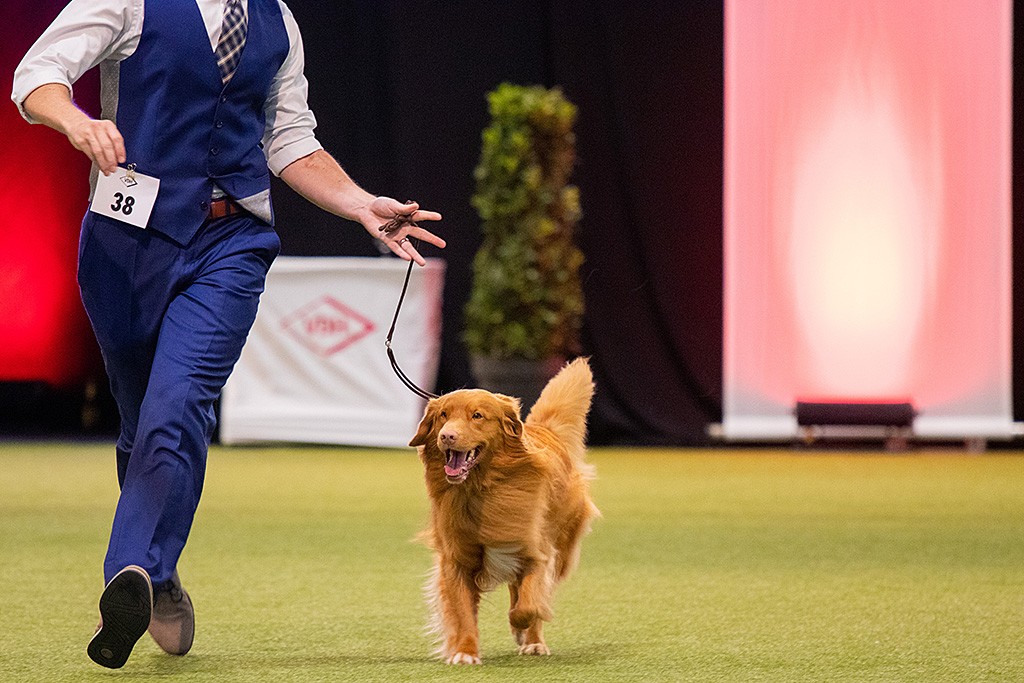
<point x="417" y="233"/>
<point x="388" y="206"/>
<point x="118" y="141"/>
<point x="112" y="142"/>
<point x="105" y="154"/>
<point x="93" y="148"/>
<point x="408" y="251"/>
<point x="404" y="248"/>
<point x="102" y="143"/>
<point x="426" y="216"/>
<point x="393" y="207"/>
<point x="427" y="236"/>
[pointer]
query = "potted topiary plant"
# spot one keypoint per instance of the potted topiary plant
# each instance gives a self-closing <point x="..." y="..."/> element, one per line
<point x="526" y="303"/>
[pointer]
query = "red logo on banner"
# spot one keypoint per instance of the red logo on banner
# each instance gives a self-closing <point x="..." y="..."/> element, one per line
<point x="327" y="326"/>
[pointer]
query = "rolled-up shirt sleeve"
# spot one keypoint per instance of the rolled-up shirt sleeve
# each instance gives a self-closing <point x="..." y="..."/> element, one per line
<point x="289" y="131"/>
<point x="85" y="33"/>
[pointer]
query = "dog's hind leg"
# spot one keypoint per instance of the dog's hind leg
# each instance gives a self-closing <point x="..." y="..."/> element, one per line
<point x="570" y="538"/>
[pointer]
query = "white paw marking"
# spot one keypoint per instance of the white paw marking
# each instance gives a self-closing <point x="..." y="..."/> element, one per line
<point x="534" y="649"/>
<point x="463" y="658"/>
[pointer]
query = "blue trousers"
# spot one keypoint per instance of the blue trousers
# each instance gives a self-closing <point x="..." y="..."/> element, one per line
<point x="170" y="322"/>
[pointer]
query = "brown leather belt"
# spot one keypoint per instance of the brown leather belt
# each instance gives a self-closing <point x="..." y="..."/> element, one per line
<point x="225" y="206"/>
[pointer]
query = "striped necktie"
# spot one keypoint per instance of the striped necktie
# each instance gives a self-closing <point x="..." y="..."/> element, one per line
<point x="232" y="40"/>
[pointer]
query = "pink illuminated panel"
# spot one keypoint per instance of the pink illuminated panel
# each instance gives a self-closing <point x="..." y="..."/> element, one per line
<point x="867" y="210"/>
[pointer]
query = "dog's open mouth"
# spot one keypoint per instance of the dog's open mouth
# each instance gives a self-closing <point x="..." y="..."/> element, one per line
<point x="457" y="464"/>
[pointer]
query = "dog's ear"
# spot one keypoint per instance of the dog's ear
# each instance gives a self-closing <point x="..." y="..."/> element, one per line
<point x="511" y="425"/>
<point x="426" y="424"/>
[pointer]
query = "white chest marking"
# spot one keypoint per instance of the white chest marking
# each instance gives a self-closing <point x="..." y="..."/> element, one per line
<point x="502" y="564"/>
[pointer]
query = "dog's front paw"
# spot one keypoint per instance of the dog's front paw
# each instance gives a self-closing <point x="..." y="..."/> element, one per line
<point x="463" y="658"/>
<point x="534" y="649"/>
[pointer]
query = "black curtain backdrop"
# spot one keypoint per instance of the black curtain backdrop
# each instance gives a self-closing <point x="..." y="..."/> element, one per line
<point x="399" y="92"/>
<point x="398" y="89"/>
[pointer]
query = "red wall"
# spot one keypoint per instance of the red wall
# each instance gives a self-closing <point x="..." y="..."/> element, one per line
<point x="44" y="333"/>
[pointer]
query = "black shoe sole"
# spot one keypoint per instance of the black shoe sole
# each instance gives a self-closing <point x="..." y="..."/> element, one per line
<point x="125" y="608"/>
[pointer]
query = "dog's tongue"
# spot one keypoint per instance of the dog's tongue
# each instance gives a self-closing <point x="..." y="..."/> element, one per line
<point x="456" y="463"/>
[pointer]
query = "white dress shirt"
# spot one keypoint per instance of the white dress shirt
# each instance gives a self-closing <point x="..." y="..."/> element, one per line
<point x="88" y="32"/>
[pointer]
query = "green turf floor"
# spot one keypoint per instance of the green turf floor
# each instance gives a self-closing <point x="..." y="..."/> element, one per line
<point x="707" y="566"/>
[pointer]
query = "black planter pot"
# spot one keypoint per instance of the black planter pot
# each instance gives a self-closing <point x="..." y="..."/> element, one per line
<point x="517" y="377"/>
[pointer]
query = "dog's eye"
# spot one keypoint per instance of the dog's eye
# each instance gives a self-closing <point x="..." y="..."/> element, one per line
<point x="444" y="413"/>
<point x="477" y="416"/>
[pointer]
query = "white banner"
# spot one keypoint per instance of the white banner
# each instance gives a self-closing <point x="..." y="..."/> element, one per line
<point x="315" y="368"/>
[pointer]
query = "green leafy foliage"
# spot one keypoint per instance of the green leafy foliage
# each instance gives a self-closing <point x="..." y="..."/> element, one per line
<point x="526" y="299"/>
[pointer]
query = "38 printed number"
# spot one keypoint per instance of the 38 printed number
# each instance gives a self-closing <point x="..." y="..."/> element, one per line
<point x="129" y="202"/>
<point x="122" y="203"/>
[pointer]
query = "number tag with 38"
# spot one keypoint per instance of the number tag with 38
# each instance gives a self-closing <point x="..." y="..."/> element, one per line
<point x="126" y="195"/>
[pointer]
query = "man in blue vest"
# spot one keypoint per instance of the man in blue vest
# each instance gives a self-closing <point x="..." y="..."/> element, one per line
<point x="201" y="100"/>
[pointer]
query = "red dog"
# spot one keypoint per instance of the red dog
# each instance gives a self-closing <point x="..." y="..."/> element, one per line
<point x="510" y="503"/>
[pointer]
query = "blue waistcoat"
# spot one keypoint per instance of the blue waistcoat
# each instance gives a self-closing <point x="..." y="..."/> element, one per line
<point x="181" y="125"/>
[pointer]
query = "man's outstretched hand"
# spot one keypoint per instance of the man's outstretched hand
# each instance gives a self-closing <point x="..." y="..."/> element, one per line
<point x="394" y="223"/>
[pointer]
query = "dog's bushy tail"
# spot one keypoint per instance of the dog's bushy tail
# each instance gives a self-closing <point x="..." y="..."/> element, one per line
<point x="564" y="404"/>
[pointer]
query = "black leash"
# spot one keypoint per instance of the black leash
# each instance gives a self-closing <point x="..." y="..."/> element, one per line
<point x="391" y="353"/>
<point x="388" y="228"/>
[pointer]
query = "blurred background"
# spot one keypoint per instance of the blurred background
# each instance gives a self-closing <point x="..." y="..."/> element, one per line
<point x="398" y="89"/>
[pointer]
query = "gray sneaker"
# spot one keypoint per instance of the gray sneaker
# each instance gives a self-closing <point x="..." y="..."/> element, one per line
<point x="125" y="609"/>
<point x="174" y="622"/>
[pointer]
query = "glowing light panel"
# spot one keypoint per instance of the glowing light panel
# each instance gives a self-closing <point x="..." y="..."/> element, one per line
<point x="867" y="210"/>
